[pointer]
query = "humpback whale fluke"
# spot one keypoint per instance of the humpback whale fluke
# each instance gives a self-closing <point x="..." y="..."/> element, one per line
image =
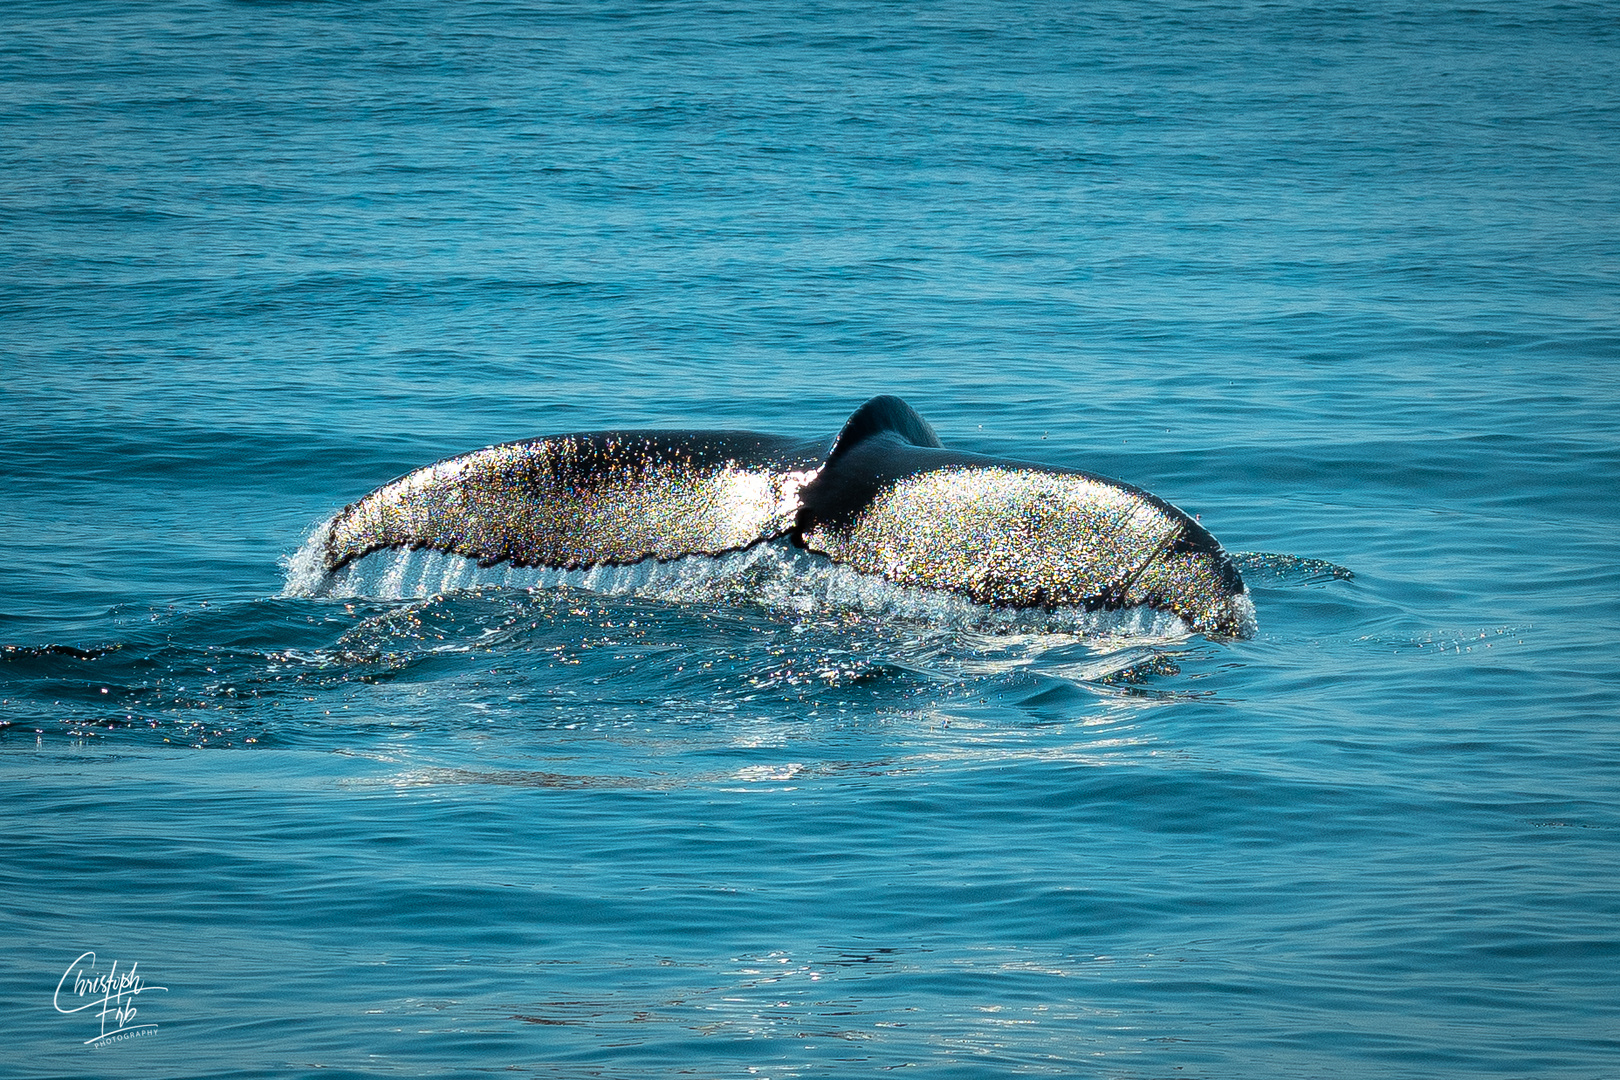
<point x="883" y="496"/>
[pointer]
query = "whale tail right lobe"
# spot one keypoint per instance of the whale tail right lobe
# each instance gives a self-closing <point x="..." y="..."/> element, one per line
<point x="892" y="501"/>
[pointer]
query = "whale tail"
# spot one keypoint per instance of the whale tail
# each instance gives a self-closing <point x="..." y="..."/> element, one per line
<point x="883" y="415"/>
<point x="884" y="497"/>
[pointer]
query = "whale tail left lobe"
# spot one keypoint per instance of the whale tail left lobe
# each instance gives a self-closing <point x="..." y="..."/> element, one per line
<point x="572" y="501"/>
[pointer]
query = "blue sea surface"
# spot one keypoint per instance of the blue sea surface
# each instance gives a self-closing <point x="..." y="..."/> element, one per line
<point x="1342" y="280"/>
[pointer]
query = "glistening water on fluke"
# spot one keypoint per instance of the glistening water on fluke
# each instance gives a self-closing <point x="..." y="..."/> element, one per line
<point x="883" y="497"/>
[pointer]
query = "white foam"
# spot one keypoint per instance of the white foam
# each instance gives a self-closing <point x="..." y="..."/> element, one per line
<point x="776" y="576"/>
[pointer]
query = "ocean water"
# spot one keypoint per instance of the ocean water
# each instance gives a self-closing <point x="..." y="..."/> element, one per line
<point x="1342" y="280"/>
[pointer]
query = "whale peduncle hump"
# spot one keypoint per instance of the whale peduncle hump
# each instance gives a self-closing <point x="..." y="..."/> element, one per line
<point x="883" y="497"/>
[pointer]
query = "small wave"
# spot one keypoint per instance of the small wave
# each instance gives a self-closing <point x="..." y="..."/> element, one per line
<point x="1269" y="568"/>
<point x="42" y="652"/>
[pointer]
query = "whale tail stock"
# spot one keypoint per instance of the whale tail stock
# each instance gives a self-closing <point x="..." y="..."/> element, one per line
<point x="883" y="496"/>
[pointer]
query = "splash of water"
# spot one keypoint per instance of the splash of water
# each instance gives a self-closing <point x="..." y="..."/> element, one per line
<point x="775" y="576"/>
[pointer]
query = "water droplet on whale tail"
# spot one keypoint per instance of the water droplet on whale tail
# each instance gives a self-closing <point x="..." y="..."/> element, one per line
<point x="883" y="497"/>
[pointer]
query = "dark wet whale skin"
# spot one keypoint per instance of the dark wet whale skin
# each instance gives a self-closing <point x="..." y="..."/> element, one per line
<point x="883" y="497"/>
